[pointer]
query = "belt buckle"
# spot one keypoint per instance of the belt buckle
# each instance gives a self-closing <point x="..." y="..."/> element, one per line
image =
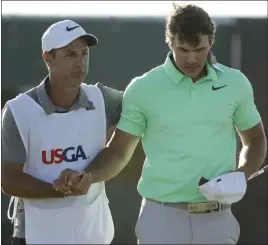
<point x="203" y="207"/>
<point x="193" y="208"/>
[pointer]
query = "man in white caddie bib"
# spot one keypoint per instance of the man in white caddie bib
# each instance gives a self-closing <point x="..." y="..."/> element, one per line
<point x="59" y="127"/>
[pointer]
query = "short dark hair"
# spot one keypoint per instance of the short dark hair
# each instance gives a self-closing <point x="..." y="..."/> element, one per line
<point x="189" y="22"/>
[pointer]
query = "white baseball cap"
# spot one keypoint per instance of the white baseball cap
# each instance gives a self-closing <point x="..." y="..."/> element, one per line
<point x="64" y="32"/>
<point x="226" y="189"/>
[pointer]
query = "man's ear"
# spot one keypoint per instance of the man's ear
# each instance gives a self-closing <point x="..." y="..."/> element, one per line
<point x="47" y="57"/>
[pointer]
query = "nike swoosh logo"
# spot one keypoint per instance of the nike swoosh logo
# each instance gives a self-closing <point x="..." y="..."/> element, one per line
<point x="71" y="28"/>
<point x="216" y="88"/>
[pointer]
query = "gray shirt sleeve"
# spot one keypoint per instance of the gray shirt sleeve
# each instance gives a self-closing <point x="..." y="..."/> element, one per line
<point x="113" y="104"/>
<point x="13" y="149"/>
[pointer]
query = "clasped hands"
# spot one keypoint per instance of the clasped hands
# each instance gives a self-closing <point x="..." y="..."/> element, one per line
<point x="73" y="183"/>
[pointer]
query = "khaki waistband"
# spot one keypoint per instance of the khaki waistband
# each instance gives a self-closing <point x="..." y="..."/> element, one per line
<point x="202" y="207"/>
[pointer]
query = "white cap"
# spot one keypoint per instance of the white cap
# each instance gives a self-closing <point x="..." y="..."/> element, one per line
<point x="64" y="32"/>
<point x="226" y="189"/>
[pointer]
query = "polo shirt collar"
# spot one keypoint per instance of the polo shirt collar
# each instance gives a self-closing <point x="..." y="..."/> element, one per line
<point x="81" y="102"/>
<point x="176" y="76"/>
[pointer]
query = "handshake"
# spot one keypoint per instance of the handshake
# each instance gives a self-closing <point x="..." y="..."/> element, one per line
<point x="73" y="183"/>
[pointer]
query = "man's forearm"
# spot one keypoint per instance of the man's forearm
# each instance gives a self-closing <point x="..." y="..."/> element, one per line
<point x="28" y="187"/>
<point x="252" y="157"/>
<point x="107" y="165"/>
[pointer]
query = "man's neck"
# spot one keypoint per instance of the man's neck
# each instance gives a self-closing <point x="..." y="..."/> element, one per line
<point x="202" y="73"/>
<point x="59" y="95"/>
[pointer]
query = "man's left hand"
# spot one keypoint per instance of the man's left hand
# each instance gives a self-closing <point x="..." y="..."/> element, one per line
<point x="245" y="171"/>
<point x="82" y="187"/>
<point x="71" y="182"/>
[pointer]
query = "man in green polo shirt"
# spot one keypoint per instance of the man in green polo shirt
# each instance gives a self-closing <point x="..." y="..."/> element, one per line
<point x="186" y="111"/>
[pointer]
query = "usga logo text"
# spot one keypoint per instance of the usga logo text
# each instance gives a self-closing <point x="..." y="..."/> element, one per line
<point x="70" y="154"/>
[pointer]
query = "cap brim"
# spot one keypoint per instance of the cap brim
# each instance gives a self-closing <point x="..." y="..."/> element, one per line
<point x="91" y="39"/>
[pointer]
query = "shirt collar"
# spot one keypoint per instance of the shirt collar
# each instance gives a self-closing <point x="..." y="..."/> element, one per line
<point x="81" y="102"/>
<point x="176" y="76"/>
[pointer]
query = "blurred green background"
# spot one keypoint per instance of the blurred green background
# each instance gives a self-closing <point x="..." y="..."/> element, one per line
<point x="128" y="47"/>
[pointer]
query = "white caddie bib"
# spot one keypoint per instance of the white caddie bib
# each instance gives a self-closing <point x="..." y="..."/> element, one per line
<point x="56" y="142"/>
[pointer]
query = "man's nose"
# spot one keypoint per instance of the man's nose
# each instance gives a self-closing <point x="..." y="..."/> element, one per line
<point x="81" y="61"/>
<point x="191" y="58"/>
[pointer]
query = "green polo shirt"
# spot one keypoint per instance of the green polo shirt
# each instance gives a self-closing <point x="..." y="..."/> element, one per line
<point x="187" y="128"/>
